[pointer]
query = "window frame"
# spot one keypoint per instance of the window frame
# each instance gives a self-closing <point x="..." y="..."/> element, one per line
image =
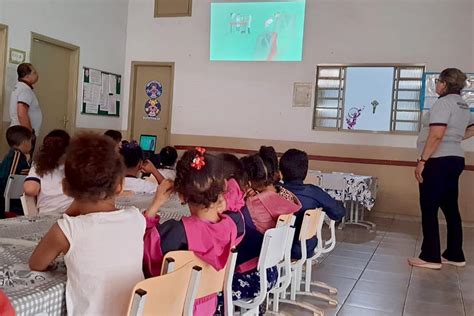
<point x="341" y="97"/>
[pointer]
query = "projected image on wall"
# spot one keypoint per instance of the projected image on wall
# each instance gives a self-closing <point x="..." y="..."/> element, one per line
<point x="257" y="31"/>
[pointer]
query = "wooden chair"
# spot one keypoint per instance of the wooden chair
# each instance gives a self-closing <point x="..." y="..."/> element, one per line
<point x="165" y="295"/>
<point x="211" y="281"/>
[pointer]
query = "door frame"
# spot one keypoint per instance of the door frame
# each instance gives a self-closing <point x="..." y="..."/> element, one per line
<point x="73" y="86"/>
<point x="3" y="70"/>
<point x="131" y="107"/>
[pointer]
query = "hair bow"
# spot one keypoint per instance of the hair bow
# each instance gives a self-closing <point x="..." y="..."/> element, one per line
<point x="198" y="162"/>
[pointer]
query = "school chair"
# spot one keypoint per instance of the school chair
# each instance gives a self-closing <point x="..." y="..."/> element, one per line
<point x="271" y="255"/>
<point x="28" y="203"/>
<point x="312" y="224"/>
<point x="284" y="268"/>
<point x="13" y="189"/>
<point x="211" y="281"/>
<point x="166" y="294"/>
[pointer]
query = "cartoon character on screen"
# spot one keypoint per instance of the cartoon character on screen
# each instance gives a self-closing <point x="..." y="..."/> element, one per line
<point x="152" y="108"/>
<point x="352" y="116"/>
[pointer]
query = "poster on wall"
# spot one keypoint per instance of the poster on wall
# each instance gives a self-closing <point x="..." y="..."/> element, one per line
<point x="152" y="109"/>
<point x="100" y="93"/>
<point x="368" y="98"/>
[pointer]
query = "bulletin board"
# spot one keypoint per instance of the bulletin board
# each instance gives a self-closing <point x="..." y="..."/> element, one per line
<point x="429" y="95"/>
<point x="101" y="92"/>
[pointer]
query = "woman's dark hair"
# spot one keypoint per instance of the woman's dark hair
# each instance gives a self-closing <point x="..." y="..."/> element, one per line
<point x="203" y="186"/>
<point x="257" y="172"/>
<point x="115" y="135"/>
<point x="455" y="80"/>
<point x="168" y="157"/>
<point x="132" y="154"/>
<point x="294" y="165"/>
<point x="270" y="158"/>
<point x="232" y="167"/>
<point x="50" y="153"/>
<point x="93" y="168"/>
<point x="18" y="134"/>
<point x="23" y="70"/>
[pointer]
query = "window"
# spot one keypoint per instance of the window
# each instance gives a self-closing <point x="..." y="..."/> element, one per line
<point x="173" y="8"/>
<point x="376" y="98"/>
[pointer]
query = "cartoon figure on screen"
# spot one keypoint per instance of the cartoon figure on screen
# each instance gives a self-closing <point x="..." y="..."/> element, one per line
<point x="267" y="43"/>
<point x="352" y="116"/>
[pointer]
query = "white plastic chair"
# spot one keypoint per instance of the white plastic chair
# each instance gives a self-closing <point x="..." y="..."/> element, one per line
<point x="167" y="294"/>
<point x="28" y="203"/>
<point x="13" y="189"/>
<point x="271" y="255"/>
<point x="211" y="281"/>
<point x="337" y="182"/>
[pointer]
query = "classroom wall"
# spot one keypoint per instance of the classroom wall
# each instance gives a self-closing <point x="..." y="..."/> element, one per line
<point x="98" y="27"/>
<point x="243" y="105"/>
<point x="257" y="95"/>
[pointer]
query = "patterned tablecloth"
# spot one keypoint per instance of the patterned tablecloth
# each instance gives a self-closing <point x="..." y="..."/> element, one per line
<point x="358" y="188"/>
<point x="43" y="293"/>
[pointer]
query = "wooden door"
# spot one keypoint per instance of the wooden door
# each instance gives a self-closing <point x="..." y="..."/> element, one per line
<point x="151" y="98"/>
<point x="56" y="85"/>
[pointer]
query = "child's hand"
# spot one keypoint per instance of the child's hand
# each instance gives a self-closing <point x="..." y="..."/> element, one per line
<point x="162" y="195"/>
<point x="148" y="167"/>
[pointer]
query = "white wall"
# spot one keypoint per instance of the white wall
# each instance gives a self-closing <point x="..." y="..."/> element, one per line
<point x="98" y="27"/>
<point x="253" y="99"/>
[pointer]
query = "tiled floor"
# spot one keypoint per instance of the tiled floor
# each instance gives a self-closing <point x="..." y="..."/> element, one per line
<point x="373" y="278"/>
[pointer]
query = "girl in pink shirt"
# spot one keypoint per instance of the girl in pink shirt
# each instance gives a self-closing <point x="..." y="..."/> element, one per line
<point x="210" y="232"/>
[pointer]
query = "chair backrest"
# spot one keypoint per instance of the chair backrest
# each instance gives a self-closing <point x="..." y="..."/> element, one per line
<point x="28" y="203"/>
<point x="313" y="177"/>
<point x="211" y="280"/>
<point x="313" y="221"/>
<point x="13" y="189"/>
<point x="166" y="294"/>
<point x="286" y="219"/>
<point x="272" y="252"/>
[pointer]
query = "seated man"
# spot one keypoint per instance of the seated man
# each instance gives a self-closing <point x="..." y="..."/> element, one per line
<point x="294" y="167"/>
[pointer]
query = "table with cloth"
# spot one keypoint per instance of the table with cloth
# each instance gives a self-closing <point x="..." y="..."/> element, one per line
<point x="43" y="293"/>
<point x="358" y="190"/>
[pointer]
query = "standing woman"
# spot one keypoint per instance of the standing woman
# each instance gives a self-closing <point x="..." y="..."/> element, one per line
<point x="440" y="164"/>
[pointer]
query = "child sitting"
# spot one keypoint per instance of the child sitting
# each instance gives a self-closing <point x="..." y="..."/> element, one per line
<point x="134" y="162"/>
<point x="269" y="156"/>
<point x="210" y="232"/>
<point x="294" y="167"/>
<point x="167" y="167"/>
<point x="234" y="174"/>
<point x="45" y="178"/>
<point x="116" y="136"/>
<point x="15" y="162"/>
<point x="102" y="246"/>
<point x="260" y="213"/>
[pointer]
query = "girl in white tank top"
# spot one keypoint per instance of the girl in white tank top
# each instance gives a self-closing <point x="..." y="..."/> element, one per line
<point x="102" y="246"/>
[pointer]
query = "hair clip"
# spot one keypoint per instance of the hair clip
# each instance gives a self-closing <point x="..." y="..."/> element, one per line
<point x="198" y="161"/>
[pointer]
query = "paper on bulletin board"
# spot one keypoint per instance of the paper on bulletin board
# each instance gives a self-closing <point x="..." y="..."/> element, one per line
<point x="91" y="93"/>
<point x="95" y="76"/>
<point x="92" y="108"/>
<point x="112" y="84"/>
<point x="111" y="104"/>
